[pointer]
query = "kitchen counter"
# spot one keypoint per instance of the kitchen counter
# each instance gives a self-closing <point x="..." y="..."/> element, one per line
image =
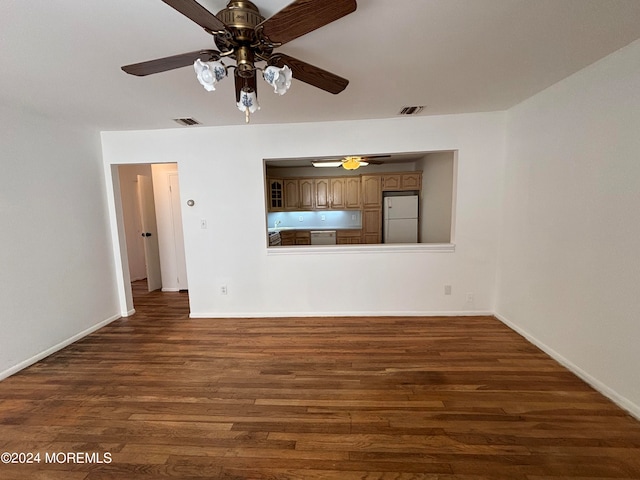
<point x="284" y="229"/>
<point x="314" y="236"/>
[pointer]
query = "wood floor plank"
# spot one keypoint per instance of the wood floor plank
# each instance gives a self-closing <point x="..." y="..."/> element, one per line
<point x="384" y="398"/>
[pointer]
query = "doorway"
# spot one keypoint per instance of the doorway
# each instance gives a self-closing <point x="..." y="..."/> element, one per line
<point x="152" y="226"/>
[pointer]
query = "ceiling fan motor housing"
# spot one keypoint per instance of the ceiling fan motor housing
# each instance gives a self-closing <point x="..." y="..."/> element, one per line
<point x="241" y="18"/>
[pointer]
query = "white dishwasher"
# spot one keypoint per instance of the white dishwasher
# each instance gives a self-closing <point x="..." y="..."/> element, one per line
<point x="323" y="237"/>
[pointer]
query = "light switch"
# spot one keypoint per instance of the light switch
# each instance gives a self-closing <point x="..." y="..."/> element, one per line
<point x="203" y="223"/>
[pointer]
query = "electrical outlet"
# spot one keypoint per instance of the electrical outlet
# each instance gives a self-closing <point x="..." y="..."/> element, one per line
<point x="469" y="297"/>
<point x="300" y="218"/>
<point x="323" y="218"/>
<point x="223" y="289"/>
<point x="447" y="289"/>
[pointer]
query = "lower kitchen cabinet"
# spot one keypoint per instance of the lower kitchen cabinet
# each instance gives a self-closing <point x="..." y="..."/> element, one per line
<point x="372" y="226"/>
<point x="287" y="237"/>
<point x="295" y="237"/>
<point x="348" y="237"/>
<point x="303" y="237"/>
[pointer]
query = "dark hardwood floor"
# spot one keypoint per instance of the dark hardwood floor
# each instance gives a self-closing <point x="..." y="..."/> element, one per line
<point x="160" y="395"/>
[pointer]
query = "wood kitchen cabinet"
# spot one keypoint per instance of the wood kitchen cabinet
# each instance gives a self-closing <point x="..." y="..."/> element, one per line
<point x="322" y="195"/>
<point x="411" y="181"/>
<point x="295" y="237"/>
<point x="371" y="191"/>
<point x="303" y="237"/>
<point x="338" y="193"/>
<point x="291" y="194"/>
<point x="401" y="181"/>
<point x="307" y="194"/>
<point x="352" y="192"/>
<point x="348" y="237"/>
<point x="372" y="226"/>
<point x="391" y="181"/>
<point x="275" y="194"/>
<point x="337" y="188"/>
<point x="287" y="237"/>
<point x="345" y="193"/>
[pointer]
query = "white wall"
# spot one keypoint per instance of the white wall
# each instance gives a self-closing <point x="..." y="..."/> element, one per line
<point x="437" y="196"/>
<point x="57" y="279"/>
<point x="569" y="275"/>
<point x="221" y="169"/>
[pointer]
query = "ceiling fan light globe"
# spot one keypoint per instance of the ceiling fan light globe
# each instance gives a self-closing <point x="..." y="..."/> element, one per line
<point x="248" y="102"/>
<point x="209" y="73"/>
<point x="278" y="78"/>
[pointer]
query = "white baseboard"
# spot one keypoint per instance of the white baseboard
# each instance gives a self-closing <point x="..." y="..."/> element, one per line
<point x="377" y="313"/>
<point x="128" y="313"/>
<point x="607" y="391"/>
<point x="36" y="358"/>
<point x="170" y="289"/>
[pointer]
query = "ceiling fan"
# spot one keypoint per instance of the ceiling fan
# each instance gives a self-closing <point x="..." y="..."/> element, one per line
<point x="242" y="34"/>
<point x="351" y="162"/>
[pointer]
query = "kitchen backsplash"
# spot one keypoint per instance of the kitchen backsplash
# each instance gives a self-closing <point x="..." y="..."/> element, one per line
<point x="316" y="219"/>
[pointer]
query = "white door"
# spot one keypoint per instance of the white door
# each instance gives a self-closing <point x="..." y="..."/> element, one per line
<point x="149" y="232"/>
<point x="178" y="235"/>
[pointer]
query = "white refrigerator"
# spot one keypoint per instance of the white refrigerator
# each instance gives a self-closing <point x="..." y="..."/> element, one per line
<point x="400" y="219"/>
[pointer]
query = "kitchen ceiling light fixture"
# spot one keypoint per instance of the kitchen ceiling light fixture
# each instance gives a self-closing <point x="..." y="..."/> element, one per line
<point x="348" y="163"/>
<point x="353" y="163"/>
<point x="331" y="164"/>
<point x="241" y="33"/>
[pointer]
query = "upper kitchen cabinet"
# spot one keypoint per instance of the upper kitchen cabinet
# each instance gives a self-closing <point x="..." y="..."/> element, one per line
<point x="371" y="191"/>
<point x="291" y="194"/>
<point x="391" y="181"/>
<point x="338" y="193"/>
<point x="352" y="193"/>
<point x="275" y="194"/>
<point x="402" y="181"/>
<point x="322" y="195"/>
<point x="411" y="181"/>
<point x="345" y="193"/>
<point x="307" y="193"/>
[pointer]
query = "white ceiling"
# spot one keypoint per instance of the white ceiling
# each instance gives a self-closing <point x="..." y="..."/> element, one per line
<point x="62" y="58"/>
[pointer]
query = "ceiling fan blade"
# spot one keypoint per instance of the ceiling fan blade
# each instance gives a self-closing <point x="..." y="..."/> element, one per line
<point x="302" y="17"/>
<point x="372" y="159"/>
<point x="197" y="13"/>
<point x="170" y="63"/>
<point x="245" y="82"/>
<point x="307" y="73"/>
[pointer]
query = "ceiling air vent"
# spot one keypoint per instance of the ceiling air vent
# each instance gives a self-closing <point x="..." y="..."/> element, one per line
<point x="411" y="110"/>
<point x="186" y="122"/>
